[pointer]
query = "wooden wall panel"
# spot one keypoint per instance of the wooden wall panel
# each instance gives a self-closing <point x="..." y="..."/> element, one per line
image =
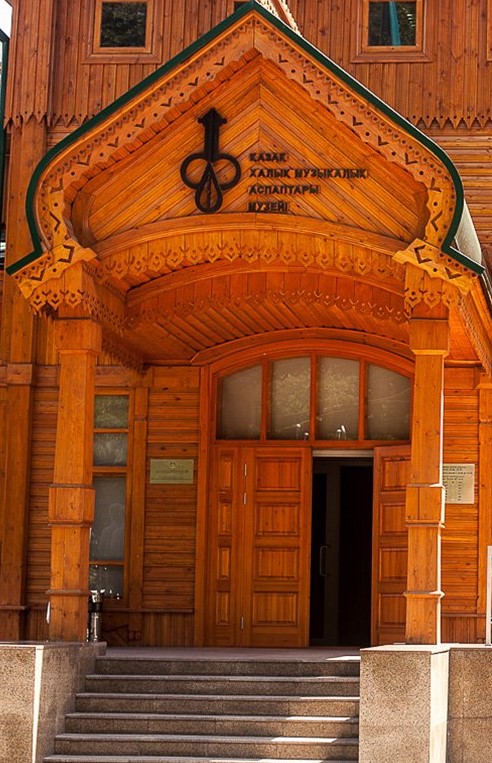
<point x="39" y="540"/>
<point x="460" y="536"/>
<point x="170" y="511"/>
<point x="169" y="629"/>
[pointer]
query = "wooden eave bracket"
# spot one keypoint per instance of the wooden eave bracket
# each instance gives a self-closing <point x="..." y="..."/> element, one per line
<point x="430" y="265"/>
<point x="161" y="98"/>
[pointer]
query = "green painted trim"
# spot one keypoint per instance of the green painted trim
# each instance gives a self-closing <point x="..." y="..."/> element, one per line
<point x="314" y="53"/>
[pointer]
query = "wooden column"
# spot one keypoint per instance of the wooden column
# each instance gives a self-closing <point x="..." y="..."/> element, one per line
<point x="429" y="340"/>
<point x="71" y="500"/>
<point x="18" y="354"/>
<point x="484" y="497"/>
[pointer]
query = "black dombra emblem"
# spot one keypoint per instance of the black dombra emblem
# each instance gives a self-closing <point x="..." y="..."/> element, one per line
<point x="208" y="190"/>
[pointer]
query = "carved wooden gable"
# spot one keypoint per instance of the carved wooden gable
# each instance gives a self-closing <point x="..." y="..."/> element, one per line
<point x="309" y="143"/>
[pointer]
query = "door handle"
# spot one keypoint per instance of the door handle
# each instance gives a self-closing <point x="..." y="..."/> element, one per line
<point x="322" y="561"/>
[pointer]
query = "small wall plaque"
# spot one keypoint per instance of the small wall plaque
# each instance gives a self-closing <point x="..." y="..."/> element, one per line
<point x="166" y="471"/>
<point x="459" y="481"/>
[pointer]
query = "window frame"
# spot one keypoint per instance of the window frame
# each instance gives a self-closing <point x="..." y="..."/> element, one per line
<point x="362" y="51"/>
<point x="103" y="470"/>
<point x="149" y="53"/>
<point x="266" y="361"/>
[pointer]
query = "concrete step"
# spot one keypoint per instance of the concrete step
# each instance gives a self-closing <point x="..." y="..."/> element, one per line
<point x="224" y="725"/>
<point x="224" y="685"/>
<point x="232" y="704"/>
<point x="154" y="710"/>
<point x="289" y="748"/>
<point x="336" y="666"/>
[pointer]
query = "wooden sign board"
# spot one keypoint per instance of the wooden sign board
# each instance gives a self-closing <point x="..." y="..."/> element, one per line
<point x="165" y="471"/>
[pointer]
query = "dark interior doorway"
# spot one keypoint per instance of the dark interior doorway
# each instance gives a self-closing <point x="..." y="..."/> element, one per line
<point x="341" y="552"/>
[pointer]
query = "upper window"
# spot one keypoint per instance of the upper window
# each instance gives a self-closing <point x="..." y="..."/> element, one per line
<point x="123" y="24"/>
<point x="314" y="397"/>
<point x="124" y="30"/>
<point x="391" y="30"/>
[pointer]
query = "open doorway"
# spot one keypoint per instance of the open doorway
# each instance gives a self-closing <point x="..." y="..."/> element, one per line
<point x="341" y="552"/>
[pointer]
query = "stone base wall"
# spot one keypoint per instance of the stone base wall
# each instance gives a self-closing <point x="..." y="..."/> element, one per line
<point x="426" y="704"/>
<point x="38" y="683"/>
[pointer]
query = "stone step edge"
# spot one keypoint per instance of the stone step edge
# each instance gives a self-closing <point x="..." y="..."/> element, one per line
<point x="66" y="758"/>
<point x="86" y="715"/>
<point x="220" y="697"/>
<point x="281" y="740"/>
<point x="211" y="678"/>
<point x="227" y="660"/>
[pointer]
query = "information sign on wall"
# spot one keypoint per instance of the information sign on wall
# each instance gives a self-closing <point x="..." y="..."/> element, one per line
<point x="459" y="482"/>
<point x="177" y="471"/>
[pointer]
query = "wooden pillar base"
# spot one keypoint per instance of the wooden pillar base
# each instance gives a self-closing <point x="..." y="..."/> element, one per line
<point x="68" y="615"/>
<point x="423" y="617"/>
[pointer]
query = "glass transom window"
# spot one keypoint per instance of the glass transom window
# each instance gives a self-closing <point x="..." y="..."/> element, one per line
<point x="316" y="398"/>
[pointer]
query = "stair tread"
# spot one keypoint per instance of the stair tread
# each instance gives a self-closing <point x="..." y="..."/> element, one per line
<point x="217" y="717"/>
<point x="221" y="677"/>
<point x="225" y="697"/>
<point x="66" y="736"/>
<point x="176" y="759"/>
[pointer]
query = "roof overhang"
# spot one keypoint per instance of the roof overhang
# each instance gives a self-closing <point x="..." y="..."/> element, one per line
<point x="249" y="65"/>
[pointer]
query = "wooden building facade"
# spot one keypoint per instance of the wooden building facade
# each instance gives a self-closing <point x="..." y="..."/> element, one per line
<point x="246" y="359"/>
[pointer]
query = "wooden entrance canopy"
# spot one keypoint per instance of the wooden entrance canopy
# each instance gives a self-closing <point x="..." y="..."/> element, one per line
<point x="343" y="220"/>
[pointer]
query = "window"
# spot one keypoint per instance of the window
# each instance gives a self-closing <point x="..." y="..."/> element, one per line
<point x="124" y="31"/>
<point x="314" y="397"/>
<point x="391" y="23"/>
<point x="123" y="25"/>
<point x="107" y="546"/>
<point x="391" y="30"/>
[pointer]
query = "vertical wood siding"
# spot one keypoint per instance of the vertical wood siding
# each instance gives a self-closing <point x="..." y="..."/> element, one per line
<point x="38" y="541"/>
<point x="460" y="536"/>
<point x="452" y="86"/>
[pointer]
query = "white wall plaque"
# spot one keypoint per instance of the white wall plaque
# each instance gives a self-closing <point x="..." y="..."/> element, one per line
<point x="171" y="471"/>
<point x="459" y="481"/>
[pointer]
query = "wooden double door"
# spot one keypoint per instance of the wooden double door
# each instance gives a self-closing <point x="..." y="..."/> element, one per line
<point x="259" y="546"/>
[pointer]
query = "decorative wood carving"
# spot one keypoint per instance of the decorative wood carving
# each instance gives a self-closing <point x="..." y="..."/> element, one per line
<point x="78" y="287"/>
<point x="251" y="246"/>
<point x="420" y="287"/>
<point x="154" y="312"/>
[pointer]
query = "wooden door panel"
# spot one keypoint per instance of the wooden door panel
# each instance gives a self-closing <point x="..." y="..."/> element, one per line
<point x="220" y="621"/>
<point x="391" y="474"/>
<point x="258" y="547"/>
<point x="280" y="546"/>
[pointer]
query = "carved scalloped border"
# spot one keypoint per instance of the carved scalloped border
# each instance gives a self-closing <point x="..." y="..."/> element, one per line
<point x="153" y="312"/>
<point x="162" y="257"/>
<point x="155" y="109"/>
